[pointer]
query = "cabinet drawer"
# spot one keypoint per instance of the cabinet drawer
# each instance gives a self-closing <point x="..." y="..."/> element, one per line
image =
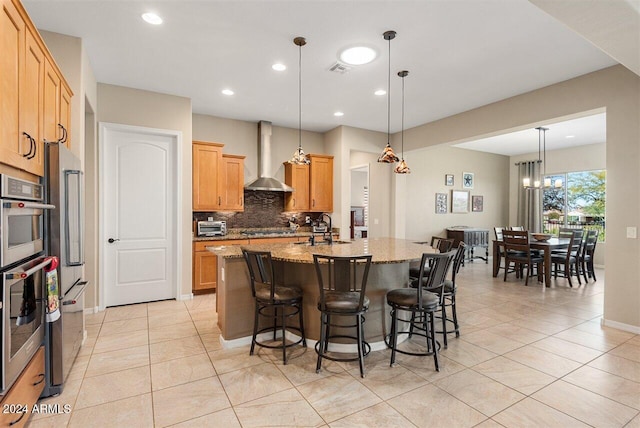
<point x="202" y="245"/>
<point x="25" y="391"/>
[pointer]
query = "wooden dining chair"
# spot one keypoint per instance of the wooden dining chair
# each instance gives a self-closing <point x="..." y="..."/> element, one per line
<point x="517" y="251"/>
<point x="569" y="260"/>
<point x="587" y="251"/>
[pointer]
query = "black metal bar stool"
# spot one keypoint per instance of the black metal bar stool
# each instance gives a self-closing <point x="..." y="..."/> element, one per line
<point x="421" y="302"/>
<point x="275" y="302"/>
<point x="342" y="282"/>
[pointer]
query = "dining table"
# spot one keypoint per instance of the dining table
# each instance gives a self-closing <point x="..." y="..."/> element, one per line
<point x="546" y="247"/>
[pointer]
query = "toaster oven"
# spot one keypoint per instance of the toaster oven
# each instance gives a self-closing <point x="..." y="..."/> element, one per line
<point x="212" y="228"/>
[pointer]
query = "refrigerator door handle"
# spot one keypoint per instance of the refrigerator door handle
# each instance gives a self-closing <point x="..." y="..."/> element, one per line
<point x="73" y="300"/>
<point x="78" y="209"/>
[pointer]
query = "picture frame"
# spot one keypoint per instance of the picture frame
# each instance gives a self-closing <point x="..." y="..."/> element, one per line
<point x="477" y="203"/>
<point x="448" y="180"/>
<point x="467" y="180"/>
<point x="441" y="203"/>
<point x="459" y="201"/>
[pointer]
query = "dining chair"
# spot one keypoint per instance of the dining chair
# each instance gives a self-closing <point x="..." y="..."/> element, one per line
<point x="273" y="302"/>
<point x="569" y="259"/>
<point x="587" y="252"/>
<point x="517" y="251"/>
<point x="517" y="228"/>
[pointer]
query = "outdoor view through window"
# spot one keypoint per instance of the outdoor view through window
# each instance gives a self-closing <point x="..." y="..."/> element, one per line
<point x="579" y="203"/>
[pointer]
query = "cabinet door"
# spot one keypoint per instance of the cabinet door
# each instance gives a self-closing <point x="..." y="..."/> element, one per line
<point x="31" y="98"/>
<point x="65" y="113"/>
<point x="296" y="176"/>
<point x="205" y="271"/>
<point x="51" y="103"/>
<point x="12" y="37"/>
<point x="207" y="164"/>
<point x="232" y="183"/>
<point x="321" y="179"/>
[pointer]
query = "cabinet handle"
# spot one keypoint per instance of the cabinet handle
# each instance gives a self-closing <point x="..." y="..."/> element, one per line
<point x="32" y="147"/>
<point x="240" y="200"/>
<point x="12" y="423"/>
<point x="41" y="375"/>
<point x="314" y="202"/>
<point x="294" y="202"/>
<point x="219" y="200"/>
<point x="63" y="139"/>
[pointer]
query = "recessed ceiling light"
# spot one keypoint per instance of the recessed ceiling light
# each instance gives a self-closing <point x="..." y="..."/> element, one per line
<point x="152" y="18"/>
<point x="358" y="55"/>
<point x="338" y="114"/>
<point x="227" y="92"/>
<point x="279" y="67"/>
<point x="380" y="92"/>
<point x="570" y="136"/>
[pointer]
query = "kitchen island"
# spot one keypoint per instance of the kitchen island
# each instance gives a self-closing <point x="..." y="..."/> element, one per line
<point x="294" y="266"/>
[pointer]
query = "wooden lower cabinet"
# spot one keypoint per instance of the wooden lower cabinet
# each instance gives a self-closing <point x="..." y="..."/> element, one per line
<point x="205" y="265"/>
<point x="24" y="393"/>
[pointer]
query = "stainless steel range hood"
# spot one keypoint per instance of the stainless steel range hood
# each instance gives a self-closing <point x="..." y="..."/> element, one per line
<point x="265" y="179"/>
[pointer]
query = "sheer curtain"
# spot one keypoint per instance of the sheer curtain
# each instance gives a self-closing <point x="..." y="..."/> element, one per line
<point x="529" y="200"/>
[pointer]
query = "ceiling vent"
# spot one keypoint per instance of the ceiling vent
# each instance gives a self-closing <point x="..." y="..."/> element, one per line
<point x="339" y="67"/>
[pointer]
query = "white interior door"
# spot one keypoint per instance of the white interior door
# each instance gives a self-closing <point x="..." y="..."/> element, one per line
<point x="138" y="215"/>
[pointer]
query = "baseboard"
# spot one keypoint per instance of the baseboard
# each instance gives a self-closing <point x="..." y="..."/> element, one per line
<point x="621" y="326"/>
<point x="90" y="311"/>
<point x="188" y="296"/>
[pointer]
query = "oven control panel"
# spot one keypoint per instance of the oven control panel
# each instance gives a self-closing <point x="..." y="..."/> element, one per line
<point x="14" y="188"/>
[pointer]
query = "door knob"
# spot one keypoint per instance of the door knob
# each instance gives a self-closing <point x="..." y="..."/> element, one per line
<point x="111" y="240"/>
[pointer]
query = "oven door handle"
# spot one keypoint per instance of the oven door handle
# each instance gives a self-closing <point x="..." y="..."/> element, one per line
<point x="28" y="273"/>
<point x="28" y="205"/>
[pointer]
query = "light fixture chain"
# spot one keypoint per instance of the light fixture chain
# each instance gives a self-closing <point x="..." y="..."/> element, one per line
<point x="389" y="97"/>
<point x="300" y="96"/>
<point x="402" y="120"/>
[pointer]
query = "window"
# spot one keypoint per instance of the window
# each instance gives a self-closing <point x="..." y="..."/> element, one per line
<point x="578" y="203"/>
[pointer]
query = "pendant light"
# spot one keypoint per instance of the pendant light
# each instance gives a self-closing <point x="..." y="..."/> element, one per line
<point x="542" y="181"/>
<point x="299" y="157"/>
<point x="402" y="167"/>
<point x="388" y="156"/>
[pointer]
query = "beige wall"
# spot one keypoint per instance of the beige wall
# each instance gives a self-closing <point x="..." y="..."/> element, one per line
<point x="149" y="109"/>
<point x="428" y="169"/>
<point x="241" y="138"/>
<point x="615" y="89"/>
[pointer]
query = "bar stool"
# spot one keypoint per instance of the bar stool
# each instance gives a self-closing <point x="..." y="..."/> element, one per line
<point x="422" y="302"/>
<point x="342" y="282"/>
<point x="449" y="295"/>
<point x="274" y="302"/>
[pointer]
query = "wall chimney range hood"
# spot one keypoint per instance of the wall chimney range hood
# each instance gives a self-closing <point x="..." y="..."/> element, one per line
<point x="265" y="179"/>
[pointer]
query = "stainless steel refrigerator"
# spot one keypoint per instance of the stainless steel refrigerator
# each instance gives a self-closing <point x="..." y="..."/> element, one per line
<point x="64" y="183"/>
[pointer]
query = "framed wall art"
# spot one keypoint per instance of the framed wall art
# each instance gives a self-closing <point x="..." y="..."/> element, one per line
<point x="477" y="203"/>
<point x="448" y="180"/>
<point x="459" y="201"/>
<point x="467" y="180"/>
<point x="441" y="203"/>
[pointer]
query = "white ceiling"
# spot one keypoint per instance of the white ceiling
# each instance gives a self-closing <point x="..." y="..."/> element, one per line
<point x="461" y="54"/>
<point x="582" y="131"/>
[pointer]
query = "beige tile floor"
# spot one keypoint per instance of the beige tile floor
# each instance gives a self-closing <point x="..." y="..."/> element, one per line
<point x="527" y="356"/>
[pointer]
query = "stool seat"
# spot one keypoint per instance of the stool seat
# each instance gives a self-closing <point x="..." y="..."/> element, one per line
<point x="343" y="301"/>
<point x="281" y="294"/>
<point x="408" y="298"/>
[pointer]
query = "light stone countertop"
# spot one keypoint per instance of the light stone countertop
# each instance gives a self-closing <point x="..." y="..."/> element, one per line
<point x="384" y="250"/>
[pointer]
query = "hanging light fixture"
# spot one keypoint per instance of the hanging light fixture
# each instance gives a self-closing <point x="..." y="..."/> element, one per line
<point x="541" y="181"/>
<point x="388" y="156"/>
<point x="402" y="167"/>
<point x="299" y="157"/>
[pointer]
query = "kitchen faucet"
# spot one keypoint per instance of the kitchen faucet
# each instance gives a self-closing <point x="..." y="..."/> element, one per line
<point x="324" y="234"/>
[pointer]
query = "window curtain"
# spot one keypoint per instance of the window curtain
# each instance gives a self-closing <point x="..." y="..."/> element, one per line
<point x="529" y="200"/>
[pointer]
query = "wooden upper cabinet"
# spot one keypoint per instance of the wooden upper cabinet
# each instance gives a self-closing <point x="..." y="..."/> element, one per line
<point x="296" y="176"/>
<point x="321" y="183"/>
<point x="232" y="183"/>
<point x="12" y="38"/>
<point x="31" y="87"/>
<point x="207" y="165"/>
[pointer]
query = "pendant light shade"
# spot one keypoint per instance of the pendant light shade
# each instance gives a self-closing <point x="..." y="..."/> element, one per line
<point x="388" y="156"/>
<point x="299" y="157"/>
<point x="402" y="167"/>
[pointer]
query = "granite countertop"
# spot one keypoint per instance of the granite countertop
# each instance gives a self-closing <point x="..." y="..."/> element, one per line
<point x="257" y="233"/>
<point x="384" y="250"/>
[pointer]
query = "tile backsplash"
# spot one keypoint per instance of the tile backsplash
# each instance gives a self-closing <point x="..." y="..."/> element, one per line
<point x="262" y="209"/>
